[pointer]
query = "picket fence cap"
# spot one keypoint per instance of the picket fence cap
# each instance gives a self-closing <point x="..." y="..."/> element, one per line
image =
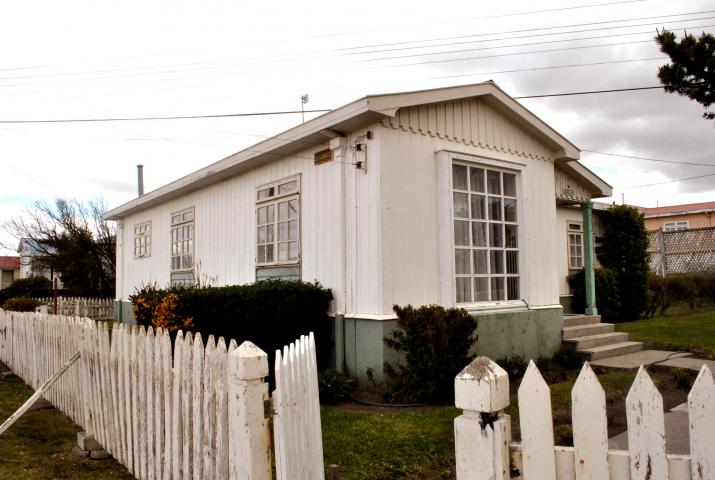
<point x="483" y="386"/>
<point x="252" y="361"/>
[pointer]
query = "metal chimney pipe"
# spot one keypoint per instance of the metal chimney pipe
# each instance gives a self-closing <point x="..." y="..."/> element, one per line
<point x="140" y="179"/>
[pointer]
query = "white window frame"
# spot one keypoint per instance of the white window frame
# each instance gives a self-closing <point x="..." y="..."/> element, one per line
<point x="142" y="240"/>
<point x="575" y="233"/>
<point x="445" y="229"/>
<point x="179" y="220"/>
<point x="268" y="195"/>
<point x="676" y="225"/>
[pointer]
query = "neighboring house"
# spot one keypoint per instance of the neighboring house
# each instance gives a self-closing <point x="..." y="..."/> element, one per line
<point x="448" y="196"/>
<point x="30" y="266"/>
<point x="679" y="217"/>
<point x="9" y="271"/>
<point x="681" y="237"/>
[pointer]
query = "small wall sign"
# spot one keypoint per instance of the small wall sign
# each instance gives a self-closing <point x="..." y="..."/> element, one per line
<point x="323" y="156"/>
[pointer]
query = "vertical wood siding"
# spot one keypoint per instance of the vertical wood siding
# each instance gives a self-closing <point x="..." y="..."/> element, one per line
<point x="409" y="202"/>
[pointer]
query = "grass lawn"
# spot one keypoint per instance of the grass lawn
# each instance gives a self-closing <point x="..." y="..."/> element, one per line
<point x="681" y="328"/>
<point x="420" y="444"/>
<point x="39" y="445"/>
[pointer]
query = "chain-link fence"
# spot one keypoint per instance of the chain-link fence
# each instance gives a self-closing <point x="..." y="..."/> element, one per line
<point x="681" y="251"/>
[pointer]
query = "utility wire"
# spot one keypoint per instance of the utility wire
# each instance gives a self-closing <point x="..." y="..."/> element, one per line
<point x="503" y="15"/>
<point x="573" y="25"/>
<point x="668" y="181"/>
<point x="649" y="159"/>
<point x="286" y="112"/>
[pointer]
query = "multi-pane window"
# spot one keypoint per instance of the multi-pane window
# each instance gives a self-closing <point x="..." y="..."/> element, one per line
<point x="142" y="240"/>
<point x="673" y="226"/>
<point x="486" y="232"/>
<point x="182" y="240"/>
<point x="575" y="239"/>
<point x="277" y="223"/>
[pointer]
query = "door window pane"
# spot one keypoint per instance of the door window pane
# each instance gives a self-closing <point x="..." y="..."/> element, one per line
<point x="461" y="261"/>
<point x="496" y="238"/>
<point x="494" y="182"/>
<point x="509" y="184"/>
<point x="512" y="288"/>
<point x="464" y="292"/>
<point x="479" y="234"/>
<point x="511" y="234"/>
<point x="459" y="177"/>
<point x="461" y="207"/>
<point x="512" y="261"/>
<point x="461" y="233"/>
<point x="497" y="261"/>
<point x="494" y="208"/>
<point x="478" y="207"/>
<point x="498" y="288"/>
<point x="476" y="179"/>
<point x="510" y="209"/>
<point x="480" y="262"/>
<point x="481" y="289"/>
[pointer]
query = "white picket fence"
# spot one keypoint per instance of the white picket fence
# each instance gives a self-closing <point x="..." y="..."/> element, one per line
<point x="483" y="432"/>
<point x="94" y="308"/>
<point x="200" y="413"/>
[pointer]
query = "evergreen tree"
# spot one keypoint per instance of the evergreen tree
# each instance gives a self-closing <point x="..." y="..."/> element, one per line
<point x="692" y="68"/>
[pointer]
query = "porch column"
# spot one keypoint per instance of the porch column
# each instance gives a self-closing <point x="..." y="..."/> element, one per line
<point x="588" y="256"/>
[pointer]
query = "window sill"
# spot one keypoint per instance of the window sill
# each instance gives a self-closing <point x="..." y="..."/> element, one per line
<point x="493" y="306"/>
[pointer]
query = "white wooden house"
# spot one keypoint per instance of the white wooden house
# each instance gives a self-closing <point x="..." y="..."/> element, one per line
<point x="452" y="196"/>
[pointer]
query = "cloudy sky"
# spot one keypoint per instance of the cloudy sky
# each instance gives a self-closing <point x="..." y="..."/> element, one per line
<point x="88" y="59"/>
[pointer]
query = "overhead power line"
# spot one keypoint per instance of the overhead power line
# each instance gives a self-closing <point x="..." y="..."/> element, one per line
<point x="287" y="112"/>
<point x="669" y="181"/>
<point x="650" y="159"/>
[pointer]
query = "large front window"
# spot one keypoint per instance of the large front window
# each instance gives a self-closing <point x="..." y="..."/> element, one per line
<point x="277" y="223"/>
<point x="486" y="232"/>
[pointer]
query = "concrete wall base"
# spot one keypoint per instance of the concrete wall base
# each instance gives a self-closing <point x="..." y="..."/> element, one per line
<point x="359" y="345"/>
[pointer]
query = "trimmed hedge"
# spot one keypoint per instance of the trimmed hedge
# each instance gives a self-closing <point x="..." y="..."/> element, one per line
<point x="436" y="342"/>
<point x="20" y="304"/>
<point x="608" y="299"/>
<point x="270" y="313"/>
<point x="694" y="289"/>
<point x="37" y="287"/>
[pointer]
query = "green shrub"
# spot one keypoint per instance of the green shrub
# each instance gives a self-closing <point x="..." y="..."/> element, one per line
<point x="684" y="378"/>
<point x="33" y="287"/>
<point x="270" y="313"/>
<point x="695" y="289"/>
<point x="20" y="304"/>
<point x="624" y="249"/>
<point x="436" y="343"/>
<point x="333" y="386"/>
<point x="515" y="366"/>
<point x="608" y="299"/>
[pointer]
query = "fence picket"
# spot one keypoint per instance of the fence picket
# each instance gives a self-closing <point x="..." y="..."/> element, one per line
<point x="537" y="430"/>
<point x="169" y="414"/>
<point x="701" y="415"/>
<point x="209" y="410"/>
<point x="177" y="432"/>
<point x="197" y="389"/>
<point x="149" y="404"/>
<point x="221" y="410"/>
<point x="187" y="405"/>
<point x="646" y="429"/>
<point x="590" y="427"/>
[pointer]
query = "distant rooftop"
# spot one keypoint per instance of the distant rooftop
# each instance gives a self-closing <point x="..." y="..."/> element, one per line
<point x="9" y="263"/>
<point x="678" y="209"/>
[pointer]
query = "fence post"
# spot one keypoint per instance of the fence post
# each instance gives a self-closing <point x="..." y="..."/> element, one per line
<point x="663" y="253"/>
<point x="248" y="442"/>
<point x="482" y="433"/>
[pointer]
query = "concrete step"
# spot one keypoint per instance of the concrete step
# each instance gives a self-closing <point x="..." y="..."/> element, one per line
<point x="614" y="350"/>
<point x="586" y="330"/>
<point x="598" y="340"/>
<point x="574" y="320"/>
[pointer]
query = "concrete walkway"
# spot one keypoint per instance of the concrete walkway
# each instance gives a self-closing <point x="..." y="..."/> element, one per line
<point x="677" y="436"/>
<point x="632" y="361"/>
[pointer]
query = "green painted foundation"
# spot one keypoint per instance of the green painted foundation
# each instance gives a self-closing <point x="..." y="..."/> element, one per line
<point x="530" y="333"/>
<point x="123" y="312"/>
